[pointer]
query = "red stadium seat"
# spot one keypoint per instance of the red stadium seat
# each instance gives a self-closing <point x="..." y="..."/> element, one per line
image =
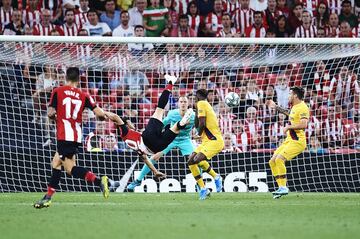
<point x="146" y="110"/>
<point x="154" y="94"/>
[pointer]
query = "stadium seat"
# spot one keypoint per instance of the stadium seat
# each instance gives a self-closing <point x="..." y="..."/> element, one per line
<point x="154" y="94"/>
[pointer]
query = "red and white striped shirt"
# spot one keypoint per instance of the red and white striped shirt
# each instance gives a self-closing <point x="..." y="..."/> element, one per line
<point x="314" y="125"/>
<point x="335" y="6"/>
<point x="226" y="122"/>
<point x="213" y="22"/>
<point x="230" y="6"/>
<point x="69" y="103"/>
<point x="222" y="33"/>
<point x="243" y="18"/>
<point x="51" y="5"/>
<point x="301" y="32"/>
<point x="118" y="63"/>
<point x="81" y="18"/>
<point x="276" y="131"/>
<point x="24" y="53"/>
<point x="31" y="17"/>
<point x="343" y="90"/>
<point x="311" y="5"/>
<point x="181" y="6"/>
<point x="41" y="30"/>
<point x="332" y="31"/>
<point x="243" y="141"/>
<point x="195" y="21"/>
<point x="5" y="17"/>
<point x="173" y="65"/>
<point x="322" y="83"/>
<point x="253" y="31"/>
<point x="254" y="128"/>
<point x="332" y="129"/>
<point x="69" y="30"/>
<point x="356" y="31"/>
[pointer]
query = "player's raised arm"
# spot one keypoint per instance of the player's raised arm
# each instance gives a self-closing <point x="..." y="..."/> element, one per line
<point x="156" y="173"/>
<point x="201" y="110"/>
<point x="272" y="104"/>
<point x="99" y="113"/>
<point x="114" y="118"/>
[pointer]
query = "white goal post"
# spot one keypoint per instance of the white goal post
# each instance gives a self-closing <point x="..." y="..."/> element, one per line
<point x="126" y="76"/>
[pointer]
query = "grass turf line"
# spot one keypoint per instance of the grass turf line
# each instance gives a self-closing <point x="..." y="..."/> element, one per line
<point x="181" y="215"/>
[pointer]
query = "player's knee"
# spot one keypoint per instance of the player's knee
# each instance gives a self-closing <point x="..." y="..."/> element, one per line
<point x="272" y="162"/>
<point x="279" y="159"/>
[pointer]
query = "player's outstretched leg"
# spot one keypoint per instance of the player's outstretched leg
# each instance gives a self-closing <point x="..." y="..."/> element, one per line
<point x="53" y="184"/>
<point x="193" y="161"/>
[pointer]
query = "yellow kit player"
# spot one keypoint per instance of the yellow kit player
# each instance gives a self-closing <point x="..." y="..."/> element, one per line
<point x="295" y="142"/>
<point x="211" y="144"/>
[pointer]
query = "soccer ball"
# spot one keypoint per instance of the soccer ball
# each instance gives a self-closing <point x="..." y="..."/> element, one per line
<point x="232" y="99"/>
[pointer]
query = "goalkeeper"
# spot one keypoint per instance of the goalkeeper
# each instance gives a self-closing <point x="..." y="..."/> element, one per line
<point x="182" y="141"/>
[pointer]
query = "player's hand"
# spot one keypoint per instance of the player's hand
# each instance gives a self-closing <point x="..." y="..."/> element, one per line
<point x="270" y="103"/>
<point x="159" y="175"/>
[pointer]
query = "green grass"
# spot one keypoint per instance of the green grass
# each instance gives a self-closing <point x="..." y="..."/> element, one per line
<point x="146" y="216"/>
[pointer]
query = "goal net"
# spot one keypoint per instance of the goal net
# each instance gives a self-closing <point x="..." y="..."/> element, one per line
<point x="126" y="76"/>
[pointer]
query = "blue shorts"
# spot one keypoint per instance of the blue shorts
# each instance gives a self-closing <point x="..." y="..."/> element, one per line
<point x="186" y="147"/>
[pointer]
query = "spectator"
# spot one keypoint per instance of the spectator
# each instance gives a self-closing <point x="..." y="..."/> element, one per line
<point x="331" y="129"/>
<point x="243" y="139"/>
<point x="282" y="6"/>
<point x="125" y="4"/>
<point x="243" y="17"/>
<point x="295" y="17"/>
<point x="253" y="92"/>
<point x="89" y="122"/>
<point x="45" y="82"/>
<point x="333" y="29"/>
<point x="101" y="139"/>
<point x="16" y="26"/>
<point x="310" y="6"/>
<point x="282" y="28"/>
<point x="347" y="15"/>
<point x="183" y="30"/>
<point x="70" y="4"/>
<point x="55" y="10"/>
<point x="266" y="113"/>
<point x="257" y="29"/>
<point x="94" y="27"/>
<point x="213" y="19"/>
<point x="172" y="63"/>
<point x="315" y="146"/>
<point x="271" y="14"/>
<point x="45" y="26"/>
<point x="111" y="16"/>
<point x="335" y="6"/>
<point x="320" y="33"/>
<point x="155" y="19"/>
<point x="231" y="5"/>
<point x="258" y="5"/>
<point x="226" y="117"/>
<point x="31" y="15"/>
<point x="321" y="18"/>
<point x="229" y="147"/>
<point x="124" y="30"/>
<point x="306" y="30"/>
<point x="322" y="80"/>
<point x="227" y="30"/>
<point x="6" y="13"/>
<point x="135" y="81"/>
<point x="282" y="91"/>
<point x="70" y="28"/>
<point x="81" y="14"/>
<point x="212" y="97"/>
<point x="138" y="49"/>
<point x="345" y="30"/>
<point x="205" y="6"/>
<point x="254" y="128"/>
<point x="195" y="20"/>
<point x="276" y="132"/>
<point x="136" y="13"/>
<point x="343" y="88"/>
<point x="173" y="15"/>
<point x="128" y="109"/>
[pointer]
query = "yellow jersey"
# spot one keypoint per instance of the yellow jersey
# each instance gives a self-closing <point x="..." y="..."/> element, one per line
<point x="298" y="112"/>
<point x="212" y="130"/>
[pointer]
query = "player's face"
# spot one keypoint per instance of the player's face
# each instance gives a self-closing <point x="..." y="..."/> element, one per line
<point x="125" y="18"/>
<point x="183" y="103"/>
<point x="292" y="97"/>
<point x="70" y="17"/>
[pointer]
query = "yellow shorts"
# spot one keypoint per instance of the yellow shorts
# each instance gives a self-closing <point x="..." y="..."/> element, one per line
<point x="289" y="149"/>
<point x="210" y="148"/>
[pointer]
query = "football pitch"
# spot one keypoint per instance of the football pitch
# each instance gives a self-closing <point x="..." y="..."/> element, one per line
<point x="181" y="215"/>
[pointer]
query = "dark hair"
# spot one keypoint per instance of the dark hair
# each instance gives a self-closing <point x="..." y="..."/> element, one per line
<point x="188" y="8"/>
<point x="69" y="10"/>
<point x="123" y="12"/>
<point x="72" y="74"/>
<point x="183" y="16"/>
<point x="258" y="12"/>
<point x="298" y="91"/>
<point x="138" y="26"/>
<point x="345" y="2"/>
<point x="202" y="94"/>
<point x="110" y="1"/>
<point x="91" y="10"/>
<point x="226" y="14"/>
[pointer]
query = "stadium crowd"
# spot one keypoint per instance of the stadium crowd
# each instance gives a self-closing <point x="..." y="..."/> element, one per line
<point x="332" y="87"/>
